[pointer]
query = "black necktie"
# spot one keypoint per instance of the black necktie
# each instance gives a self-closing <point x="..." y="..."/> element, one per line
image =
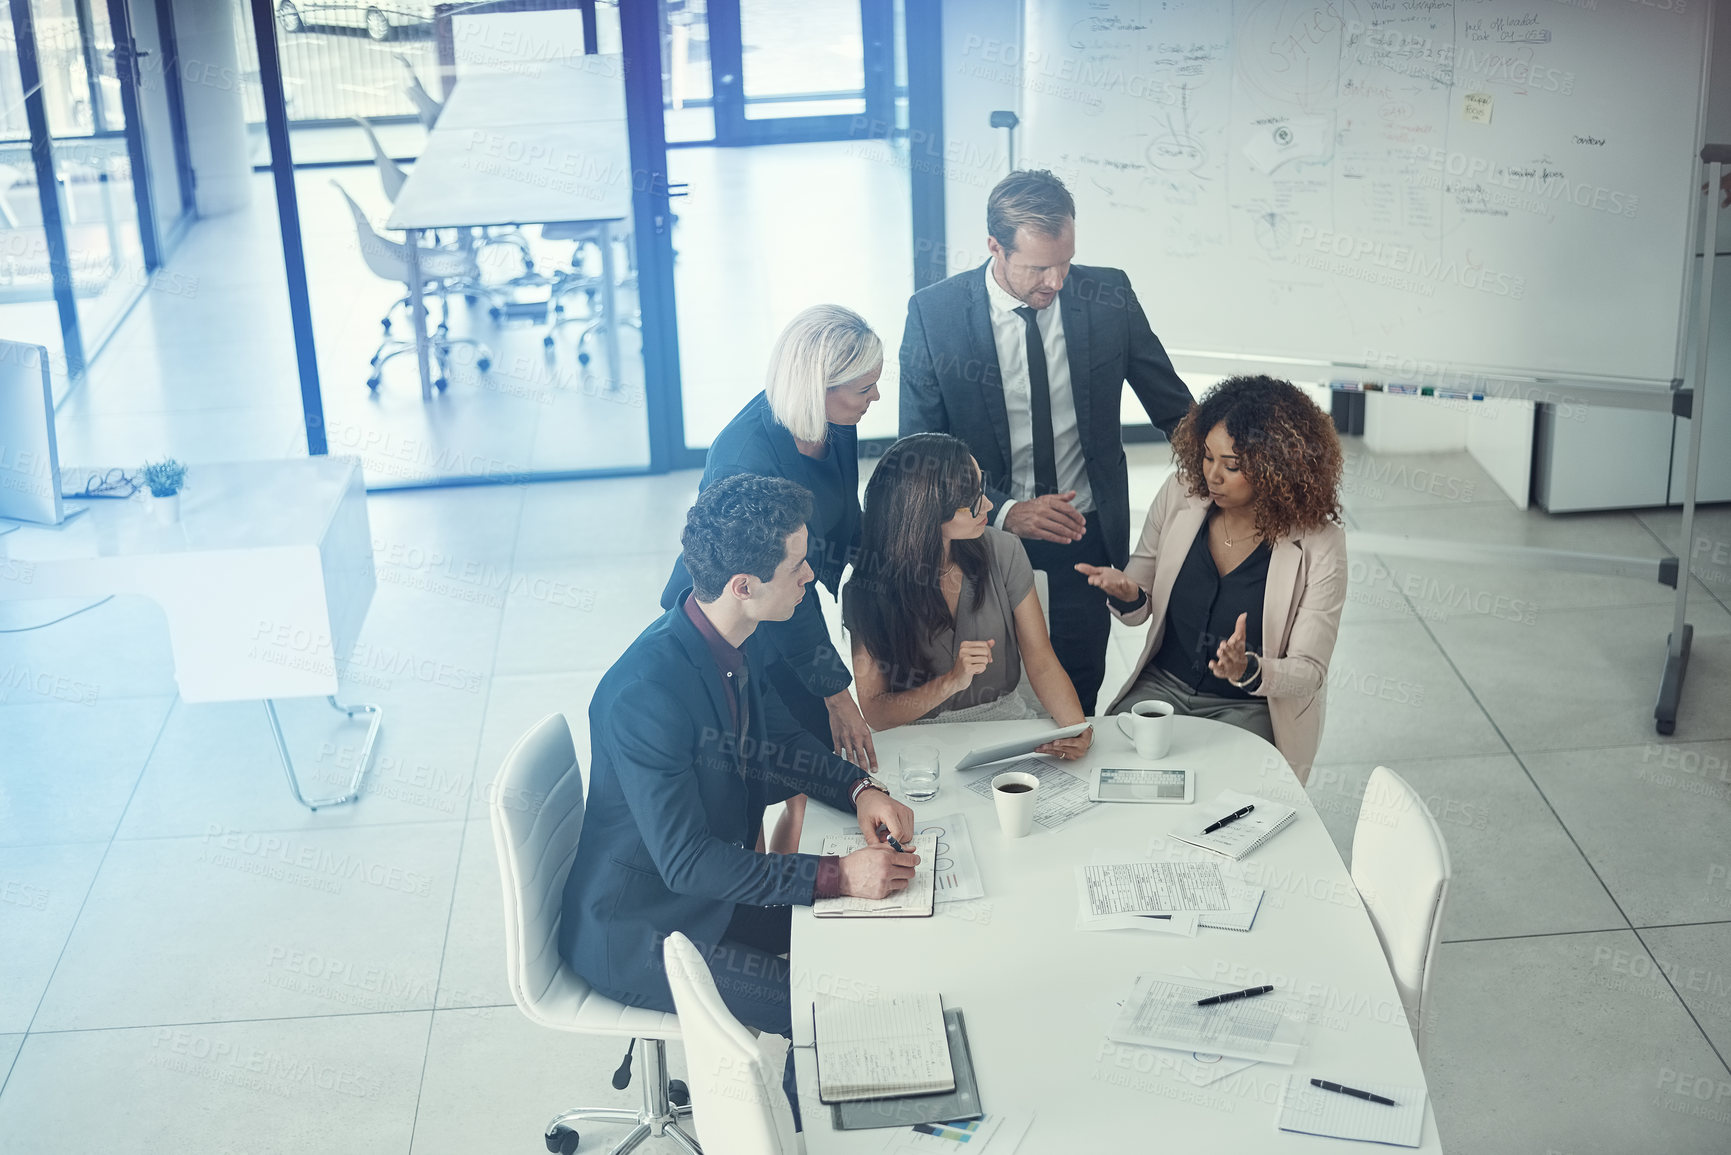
<point x="1040" y="397"/>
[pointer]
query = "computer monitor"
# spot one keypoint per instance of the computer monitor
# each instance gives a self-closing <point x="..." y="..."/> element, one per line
<point x="29" y="463"/>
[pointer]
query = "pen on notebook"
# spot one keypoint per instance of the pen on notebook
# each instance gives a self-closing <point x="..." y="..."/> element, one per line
<point x="896" y="846"/>
<point x="1229" y="819"/>
<point x="1353" y="1091"/>
<point x="1250" y="993"/>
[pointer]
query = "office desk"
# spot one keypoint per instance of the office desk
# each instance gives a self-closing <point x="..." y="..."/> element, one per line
<point x="265" y="580"/>
<point x="544" y="148"/>
<point x="1038" y="994"/>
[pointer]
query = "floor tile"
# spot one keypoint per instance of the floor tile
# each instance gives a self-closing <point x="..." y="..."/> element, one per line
<point x="1710" y="553"/>
<point x="1652" y="820"/>
<point x="285" y="1087"/>
<point x="216" y="765"/>
<point x="1580" y="678"/>
<point x="42" y="889"/>
<point x="1515" y="870"/>
<point x="1520" y="1063"/>
<point x="69" y="769"/>
<point x="1504" y="593"/>
<point x="581" y="615"/>
<point x="494" y="1080"/>
<point x="1400" y="481"/>
<point x="1697" y="961"/>
<point x="565" y="521"/>
<point x="473" y="971"/>
<point x="1392" y="695"/>
<point x="517" y="702"/>
<point x="9" y="1045"/>
<point x="239" y="926"/>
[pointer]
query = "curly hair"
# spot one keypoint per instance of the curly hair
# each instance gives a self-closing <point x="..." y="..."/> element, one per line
<point x="1287" y="451"/>
<point x="739" y="525"/>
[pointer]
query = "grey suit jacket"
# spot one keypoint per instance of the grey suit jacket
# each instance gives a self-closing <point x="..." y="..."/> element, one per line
<point x="950" y="381"/>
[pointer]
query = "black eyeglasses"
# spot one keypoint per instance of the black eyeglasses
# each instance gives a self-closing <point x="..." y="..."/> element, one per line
<point x="974" y="509"/>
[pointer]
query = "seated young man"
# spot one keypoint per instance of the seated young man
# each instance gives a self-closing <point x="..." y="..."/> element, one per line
<point x="688" y="747"/>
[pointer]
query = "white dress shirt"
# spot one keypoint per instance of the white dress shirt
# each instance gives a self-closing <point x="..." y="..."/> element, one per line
<point x="1010" y="334"/>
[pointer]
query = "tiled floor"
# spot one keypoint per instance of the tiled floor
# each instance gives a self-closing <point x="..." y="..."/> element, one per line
<point x="164" y="957"/>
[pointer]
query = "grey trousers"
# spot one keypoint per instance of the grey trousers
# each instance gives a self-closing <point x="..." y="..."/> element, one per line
<point x="1245" y="713"/>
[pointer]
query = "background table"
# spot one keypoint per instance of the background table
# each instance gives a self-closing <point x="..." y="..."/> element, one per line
<point x="1037" y="994"/>
<point x="265" y="580"/>
<point x="549" y="147"/>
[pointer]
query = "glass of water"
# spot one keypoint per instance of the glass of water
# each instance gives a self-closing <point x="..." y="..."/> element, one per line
<point x="920" y="773"/>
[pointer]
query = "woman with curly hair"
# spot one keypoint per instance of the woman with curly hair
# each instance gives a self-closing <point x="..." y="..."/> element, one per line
<point x="1242" y="567"/>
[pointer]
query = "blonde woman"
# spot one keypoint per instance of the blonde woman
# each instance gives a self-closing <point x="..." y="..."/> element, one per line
<point x="823" y="376"/>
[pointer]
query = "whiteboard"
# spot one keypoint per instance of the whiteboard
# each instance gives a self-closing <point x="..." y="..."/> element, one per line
<point x="1434" y="189"/>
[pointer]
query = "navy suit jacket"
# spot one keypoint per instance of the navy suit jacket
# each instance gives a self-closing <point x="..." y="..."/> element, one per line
<point x="950" y="380"/>
<point x="674" y="810"/>
<point x="755" y="442"/>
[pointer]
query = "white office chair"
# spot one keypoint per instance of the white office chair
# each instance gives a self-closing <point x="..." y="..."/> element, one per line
<point x="734" y="1093"/>
<point x="1400" y="865"/>
<point x="537" y="813"/>
<point x="391" y="175"/>
<point x="427" y="108"/>
<point x="442" y="271"/>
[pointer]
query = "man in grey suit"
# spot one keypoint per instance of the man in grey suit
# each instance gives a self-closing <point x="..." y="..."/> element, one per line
<point x="1025" y="359"/>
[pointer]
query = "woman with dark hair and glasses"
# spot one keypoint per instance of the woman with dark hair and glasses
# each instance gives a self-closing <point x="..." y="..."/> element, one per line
<point x="941" y="606"/>
<point x="1241" y="567"/>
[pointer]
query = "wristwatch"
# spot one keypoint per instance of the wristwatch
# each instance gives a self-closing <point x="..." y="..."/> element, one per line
<point x="864" y="784"/>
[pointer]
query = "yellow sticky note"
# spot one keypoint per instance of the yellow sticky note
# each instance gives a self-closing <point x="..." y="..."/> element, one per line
<point x="1478" y="108"/>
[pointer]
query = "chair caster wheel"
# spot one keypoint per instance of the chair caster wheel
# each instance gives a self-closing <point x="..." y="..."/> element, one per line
<point x="386" y="324"/>
<point x="495" y="312"/>
<point x="678" y="1093"/>
<point x="562" y="1141"/>
<point x="1665" y="727"/>
<point x="547" y="340"/>
<point x="558" y="310"/>
<point x="484" y="364"/>
<point x="439" y="383"/>
<point x="470" y="299"/>
<point x="373" y="384"/>
<point x="582" y="358"/>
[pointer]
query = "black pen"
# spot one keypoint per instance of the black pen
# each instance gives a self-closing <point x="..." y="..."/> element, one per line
<point x="1353" y="1091"/>
<point x="1230" y="818"/>
<point x="1230" y="995"/>
<point x="892" y="840"/>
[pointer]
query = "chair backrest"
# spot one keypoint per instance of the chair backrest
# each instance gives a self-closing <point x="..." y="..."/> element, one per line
<point x="1400" y="865"/>
<point x="390" y="175"/>
<point x="537" y="811"/>
<point x="734" y="1096"/>
<point x="385" y="258"/>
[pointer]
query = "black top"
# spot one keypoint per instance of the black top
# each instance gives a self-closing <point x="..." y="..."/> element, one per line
<point x="755" y="442"/>
<point x="1204" y="611"/>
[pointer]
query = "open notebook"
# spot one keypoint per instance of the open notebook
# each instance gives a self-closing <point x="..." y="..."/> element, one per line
<point x="1313" y="1111"/>
<point x="916" y="901"/>
<point x="882" y="1047"/>
<point x="1238" y="838"/>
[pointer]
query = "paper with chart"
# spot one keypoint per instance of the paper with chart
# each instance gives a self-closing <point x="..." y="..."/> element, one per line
<point x="881" y="1047"/>
<point x="987" y="1135"/>
<point x="1152" y="887"/>
<point x="1161" y="1011"/>
<point x="913" y="902"/>
<point x="1314" y="1111"/>
<point x="955" y="872"/>
<point x="1062" y="794"/>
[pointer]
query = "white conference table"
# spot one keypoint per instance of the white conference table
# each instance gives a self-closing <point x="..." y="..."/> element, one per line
<point x="265" y="581"/>
<point x="1037" y="994"/>
<point x="545" y="147"/>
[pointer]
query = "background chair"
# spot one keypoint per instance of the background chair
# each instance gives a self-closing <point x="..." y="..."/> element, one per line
<point x="391" y="176"/>
<point x="441" y="271"/>
<point x="537" y="813"/>
<point x="1400" y="865"/>
<point x="427" y="108"/>
<point x="733" y="1092"/>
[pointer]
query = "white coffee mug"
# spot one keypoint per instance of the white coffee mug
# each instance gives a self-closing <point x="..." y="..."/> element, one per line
<point x="1015" y="809"/>
<point x="1149" y="725"/>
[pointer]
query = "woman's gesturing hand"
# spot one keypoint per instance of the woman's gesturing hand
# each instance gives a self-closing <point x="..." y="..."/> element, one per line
<point x="972" y="658"/>
<point x="1114" y="581"/>
<point x="1229" y="660"/>
<point x="848" y="729"/>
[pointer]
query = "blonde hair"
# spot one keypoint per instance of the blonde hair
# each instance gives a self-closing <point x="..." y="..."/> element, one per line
<point x="825" y="346"/>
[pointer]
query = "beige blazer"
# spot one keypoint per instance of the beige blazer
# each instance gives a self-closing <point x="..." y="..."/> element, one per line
<point x="1300" y="613"/>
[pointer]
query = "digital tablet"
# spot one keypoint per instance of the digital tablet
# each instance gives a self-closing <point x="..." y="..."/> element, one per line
<point x="1108" y="785"/>
<point x="1016" y="746"/>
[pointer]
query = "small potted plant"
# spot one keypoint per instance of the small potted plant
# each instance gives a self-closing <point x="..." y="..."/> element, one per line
<point x="165" y="478"/>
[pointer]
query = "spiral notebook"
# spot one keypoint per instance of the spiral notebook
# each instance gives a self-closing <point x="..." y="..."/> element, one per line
<point x="882" y="1047"/>
<point x="1239" y="837"/>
